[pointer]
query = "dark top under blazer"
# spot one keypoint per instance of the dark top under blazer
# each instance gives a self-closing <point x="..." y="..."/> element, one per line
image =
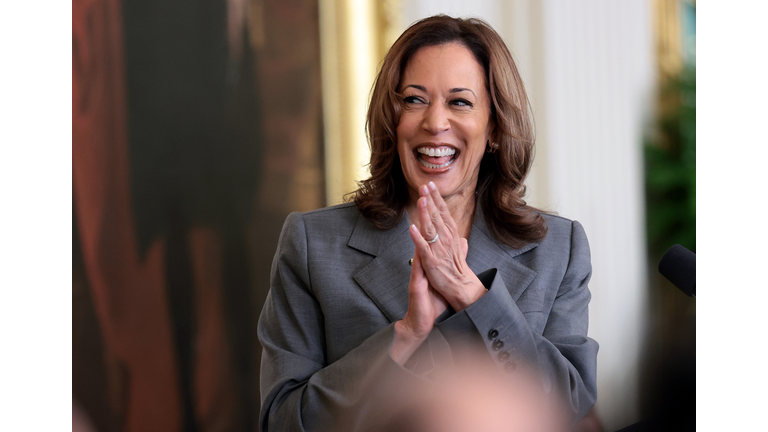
<point x="338" y="284"/>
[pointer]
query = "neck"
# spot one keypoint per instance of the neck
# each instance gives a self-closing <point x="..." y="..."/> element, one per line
<point x="462" y="209"/>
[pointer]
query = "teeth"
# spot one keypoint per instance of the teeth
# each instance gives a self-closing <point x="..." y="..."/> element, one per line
<point x="436" y="152"/>
<point x="435" y="166"/>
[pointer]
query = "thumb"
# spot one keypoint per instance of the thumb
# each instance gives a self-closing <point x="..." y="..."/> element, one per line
<point x="464" y="247"/>
<point x="418" y="278"/>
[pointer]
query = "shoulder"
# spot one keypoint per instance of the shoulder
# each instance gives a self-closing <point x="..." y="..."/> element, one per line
<point x="557" y="226"/>
<point x="342" y="216"/>
<point x="563" y="236"/>
<point x="332" y="212"/>
<point x="328" y="225"/>
<point x="562" y="256"/>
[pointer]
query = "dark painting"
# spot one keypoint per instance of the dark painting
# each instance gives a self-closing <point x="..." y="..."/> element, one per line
<point x="196" y="129"/>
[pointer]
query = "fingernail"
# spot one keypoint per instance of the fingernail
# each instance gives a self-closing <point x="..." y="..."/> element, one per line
<point x="424" y="190"/>
<point x="423" y="202"/>
<point x="432" y="186"/>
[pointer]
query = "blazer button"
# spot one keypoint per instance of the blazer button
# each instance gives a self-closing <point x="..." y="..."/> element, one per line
<point x="503" y="356"/>
<point x="493" y="334"/>
<point x="510" y="367"/>
<point x="497" y="345"/>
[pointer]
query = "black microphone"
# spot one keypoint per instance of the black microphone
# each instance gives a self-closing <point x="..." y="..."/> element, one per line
<point x="678" y="265"/>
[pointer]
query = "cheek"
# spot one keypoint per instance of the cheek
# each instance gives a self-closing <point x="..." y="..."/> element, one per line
<point x="475" y="160"/>
<point x="403" y="137"/>
<point x="477" y="136"/>
<point x="402" y="148"/>
<point x="404" y="127"/>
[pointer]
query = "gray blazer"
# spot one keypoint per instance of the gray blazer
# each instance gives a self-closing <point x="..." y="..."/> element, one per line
<point x="338" y="284"/>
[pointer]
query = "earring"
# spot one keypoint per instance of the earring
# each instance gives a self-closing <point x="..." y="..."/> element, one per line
<point x="492" y="147"/>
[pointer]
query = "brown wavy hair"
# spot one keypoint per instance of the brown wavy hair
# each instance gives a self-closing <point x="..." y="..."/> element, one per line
<point x="383" y="197"/>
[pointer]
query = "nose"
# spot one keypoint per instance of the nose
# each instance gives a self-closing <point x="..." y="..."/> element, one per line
<point x="436" y="119"/>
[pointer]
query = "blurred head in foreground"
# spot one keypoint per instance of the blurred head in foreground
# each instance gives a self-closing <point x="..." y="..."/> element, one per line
<point x="469" y="400"/>
<point x="471" y="396"/>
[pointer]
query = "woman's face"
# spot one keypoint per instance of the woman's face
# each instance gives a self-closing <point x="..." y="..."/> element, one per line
<point x="444" y="126"/>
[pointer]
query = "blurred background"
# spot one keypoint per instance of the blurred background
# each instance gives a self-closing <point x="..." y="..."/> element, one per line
<point x="199" y="125"/>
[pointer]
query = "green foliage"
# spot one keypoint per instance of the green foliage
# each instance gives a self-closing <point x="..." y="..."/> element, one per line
<point x="670" y="168"/>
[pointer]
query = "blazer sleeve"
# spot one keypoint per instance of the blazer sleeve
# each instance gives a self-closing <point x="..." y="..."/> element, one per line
<point x="563" y="354"/>
<point x="299" y="390"/>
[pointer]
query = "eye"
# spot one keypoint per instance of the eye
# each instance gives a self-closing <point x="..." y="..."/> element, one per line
<point x="412" y="100"/>
<point x="461" y="102"/>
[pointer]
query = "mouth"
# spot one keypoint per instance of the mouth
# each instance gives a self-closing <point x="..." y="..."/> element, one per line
<point x="435" y="158"/>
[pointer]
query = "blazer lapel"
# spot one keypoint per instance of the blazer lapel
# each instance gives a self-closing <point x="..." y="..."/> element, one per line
<point x="486" y="253"/>
<point x="385" y="278"/>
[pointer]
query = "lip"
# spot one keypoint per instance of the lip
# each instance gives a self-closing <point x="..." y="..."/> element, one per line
<point x="440" y="170"/>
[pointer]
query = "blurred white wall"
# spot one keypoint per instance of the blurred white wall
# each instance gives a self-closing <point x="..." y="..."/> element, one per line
<point x="588" y="67"/>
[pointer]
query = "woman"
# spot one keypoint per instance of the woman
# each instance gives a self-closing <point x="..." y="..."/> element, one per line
<point x="349" y="311"/>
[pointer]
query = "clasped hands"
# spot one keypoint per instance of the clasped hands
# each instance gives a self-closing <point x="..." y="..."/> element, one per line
<point x="440" y="275"/>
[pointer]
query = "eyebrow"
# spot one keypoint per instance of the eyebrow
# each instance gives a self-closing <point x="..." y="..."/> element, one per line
<point x="453" y="90"/>
<point x="417" y="87"/>
<point x="461" y="89"/>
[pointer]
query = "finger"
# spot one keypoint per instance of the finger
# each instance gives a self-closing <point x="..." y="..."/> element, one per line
<point x="426" y="221"/>
<point x="464" y="247"/>
<point x="418" y="287"/>
<point x="437" y="218"/>
<point x="419" y="317"/>
<point x="421" y="245"/>
<point x="439" y="302"/>
<point x="417" y="271"/>
<point x="439" y="203"/>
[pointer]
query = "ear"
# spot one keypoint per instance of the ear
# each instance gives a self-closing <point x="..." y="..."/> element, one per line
<point x="490" y="133"/>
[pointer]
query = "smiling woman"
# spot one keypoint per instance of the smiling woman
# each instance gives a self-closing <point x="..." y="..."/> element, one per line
<point x="348" y="320"/>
